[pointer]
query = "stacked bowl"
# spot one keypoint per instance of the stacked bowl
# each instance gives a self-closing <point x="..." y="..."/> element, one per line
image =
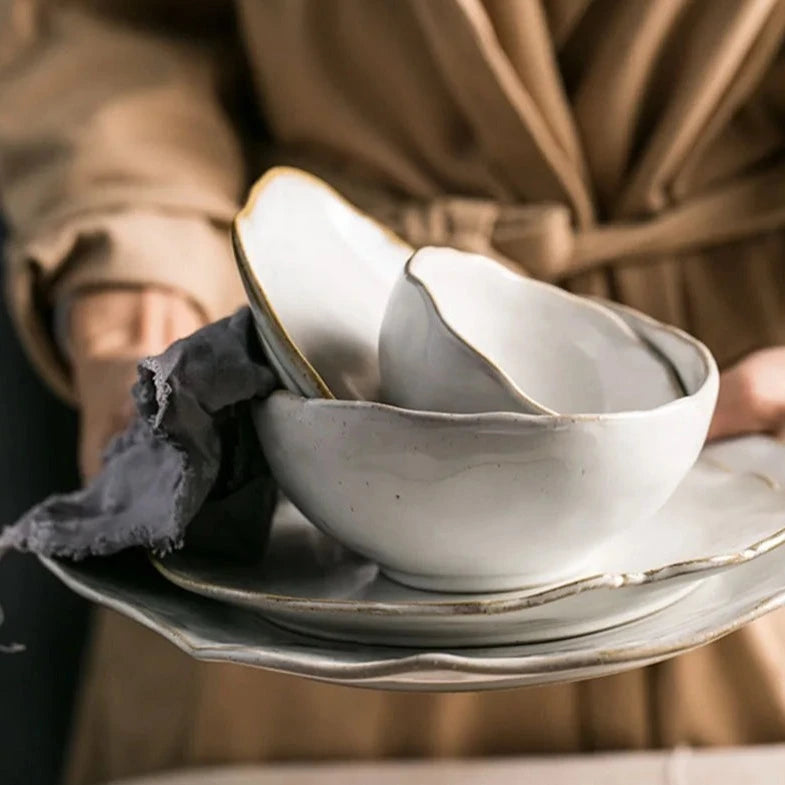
<point x="468" y="429"/>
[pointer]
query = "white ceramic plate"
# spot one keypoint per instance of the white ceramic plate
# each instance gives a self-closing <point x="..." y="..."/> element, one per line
<point x="318" y="273"/>
<point x="311" y="584"/>
<point x="213" y="631"/>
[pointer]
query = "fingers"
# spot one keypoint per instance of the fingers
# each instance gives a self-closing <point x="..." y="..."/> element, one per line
<point x="104" y="388"/>
<point x="110" y="330"/>
<point x="752" y="396"/>
<point x="111" y="321"/>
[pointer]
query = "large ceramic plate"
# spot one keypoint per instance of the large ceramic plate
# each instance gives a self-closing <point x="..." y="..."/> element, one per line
<point x="318" y="274"/>
<point x="209" y="630"/>
<point x="311" y="584"/>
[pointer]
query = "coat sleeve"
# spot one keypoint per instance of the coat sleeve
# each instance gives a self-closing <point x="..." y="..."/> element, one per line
<point x="118" y="162"/>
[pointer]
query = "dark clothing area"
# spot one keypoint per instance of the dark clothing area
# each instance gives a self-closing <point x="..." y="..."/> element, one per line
<point x="37" y="685"/>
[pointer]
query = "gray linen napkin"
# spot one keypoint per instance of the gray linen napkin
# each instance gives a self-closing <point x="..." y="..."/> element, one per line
<point x="189" y="461"/>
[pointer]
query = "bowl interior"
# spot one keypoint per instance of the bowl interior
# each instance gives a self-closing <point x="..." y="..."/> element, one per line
<point x="566" y="353"/>
<point x="692" y="362"/>
<point x="321" y="273"/>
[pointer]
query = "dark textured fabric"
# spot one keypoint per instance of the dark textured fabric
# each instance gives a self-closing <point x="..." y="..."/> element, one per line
<point x="37" y="685"/>
<point x="190" y="456"/>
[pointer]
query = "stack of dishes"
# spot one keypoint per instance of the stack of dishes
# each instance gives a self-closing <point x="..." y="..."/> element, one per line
<point x="471" y="458"/>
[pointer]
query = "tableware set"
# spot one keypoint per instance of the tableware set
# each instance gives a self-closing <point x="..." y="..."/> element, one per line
<point x="486" y="481"/>
<point x="464" y="413"/>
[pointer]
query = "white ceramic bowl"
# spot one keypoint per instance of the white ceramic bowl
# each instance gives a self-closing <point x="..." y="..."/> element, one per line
<point x="461" y="333"/>
<point x="318" y="274"/>
<point x="486" y="502"/>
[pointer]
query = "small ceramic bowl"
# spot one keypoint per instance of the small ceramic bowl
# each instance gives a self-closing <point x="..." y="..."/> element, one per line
<point x="318" y="274"/>
<point x="486" y="502"/>
<point x="461" y="333"/>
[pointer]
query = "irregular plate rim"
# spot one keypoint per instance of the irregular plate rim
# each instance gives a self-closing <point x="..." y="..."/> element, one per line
<point x="411" y="663"/>
<point x="315" y="621"/>
<point x="514" y="601"/>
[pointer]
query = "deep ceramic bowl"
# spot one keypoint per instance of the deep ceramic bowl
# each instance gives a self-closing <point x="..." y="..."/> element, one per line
<point x="486" y="502"/>
<point x="463" y="334"/>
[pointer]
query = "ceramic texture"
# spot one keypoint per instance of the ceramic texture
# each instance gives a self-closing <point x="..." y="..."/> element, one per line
<point x="461" y="333"/>
<point x="455" y="502"/>
<point x="318" y="274"/>
<point x="214" y="631"/>
<point x="311" y="584"/>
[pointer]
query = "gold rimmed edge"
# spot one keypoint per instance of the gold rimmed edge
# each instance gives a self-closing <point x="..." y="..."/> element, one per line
<point x="598" y="304"/>
<point x="247" y="272"/>
<point x="510" y="386"/>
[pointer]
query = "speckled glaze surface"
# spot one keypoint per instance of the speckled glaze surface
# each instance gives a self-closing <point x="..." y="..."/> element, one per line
<point x="210" y="630"/>
<point x="317" y="273"/>
<point x="456" y="502"/>
<point x="461" y="333"/>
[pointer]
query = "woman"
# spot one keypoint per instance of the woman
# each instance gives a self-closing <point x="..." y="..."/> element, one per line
<point x="628" y="149"/>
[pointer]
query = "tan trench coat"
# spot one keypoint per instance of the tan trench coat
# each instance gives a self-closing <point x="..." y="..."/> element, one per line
<point x="629" y="148"/>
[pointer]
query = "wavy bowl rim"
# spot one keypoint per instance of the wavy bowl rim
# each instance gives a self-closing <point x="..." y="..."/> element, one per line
<point x="591" y="303"/>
